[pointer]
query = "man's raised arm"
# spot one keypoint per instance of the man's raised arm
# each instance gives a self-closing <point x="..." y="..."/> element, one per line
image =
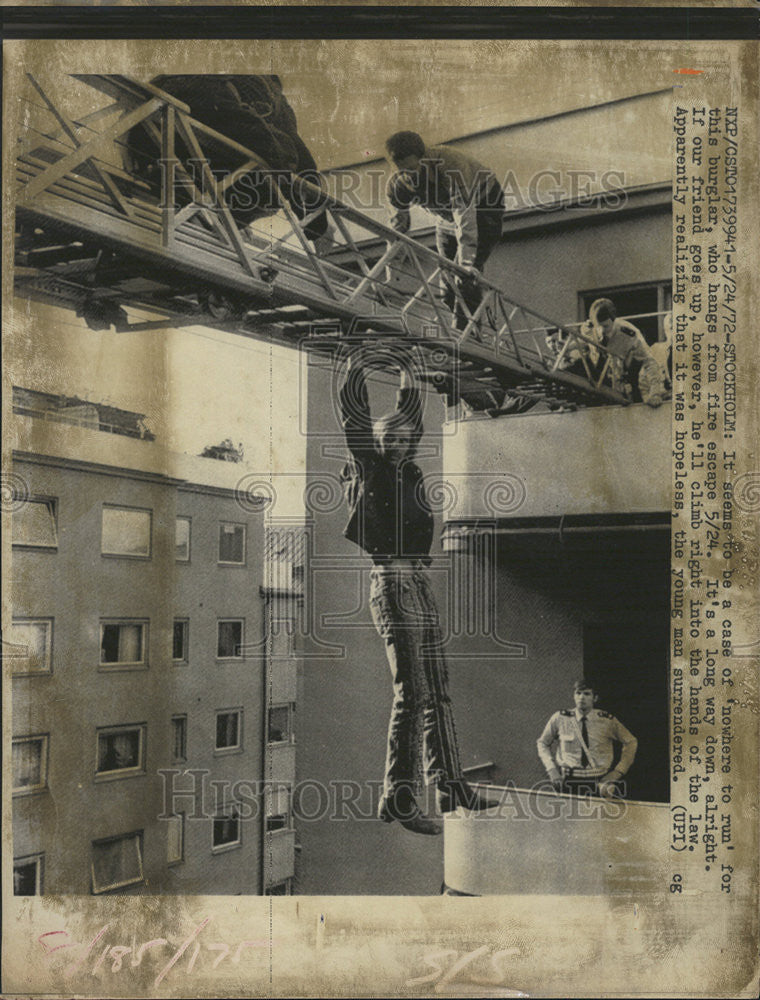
<point x="354" y="408"/>
<point x="409" y="405"/>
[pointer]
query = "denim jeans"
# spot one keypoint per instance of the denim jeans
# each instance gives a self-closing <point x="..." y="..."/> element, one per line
<point x="421" y="734"/>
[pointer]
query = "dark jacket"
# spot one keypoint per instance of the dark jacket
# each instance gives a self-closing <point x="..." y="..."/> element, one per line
<point x="388" y="511"/>
<point x="252" y="110"/>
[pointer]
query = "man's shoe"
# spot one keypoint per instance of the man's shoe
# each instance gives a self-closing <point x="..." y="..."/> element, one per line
<point x="452" y="794"/>
<point x="400" y="806"/>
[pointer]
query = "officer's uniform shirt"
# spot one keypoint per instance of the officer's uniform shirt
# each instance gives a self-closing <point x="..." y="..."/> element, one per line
<point x="564" y="729"/>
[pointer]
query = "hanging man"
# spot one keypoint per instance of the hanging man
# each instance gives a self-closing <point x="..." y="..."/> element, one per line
<point x="389" y="518"/>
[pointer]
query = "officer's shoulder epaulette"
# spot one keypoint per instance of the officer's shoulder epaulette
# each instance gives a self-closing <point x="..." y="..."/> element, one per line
<point x="566" y="711"/>
<point x="605" y="715"/>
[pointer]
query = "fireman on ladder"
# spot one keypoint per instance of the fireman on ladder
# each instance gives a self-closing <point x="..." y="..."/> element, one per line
<point x="389" y="518"/>
<point x="466" y="199"/>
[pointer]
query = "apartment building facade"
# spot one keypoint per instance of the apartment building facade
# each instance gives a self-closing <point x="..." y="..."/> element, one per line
<point x="153" y="671"/>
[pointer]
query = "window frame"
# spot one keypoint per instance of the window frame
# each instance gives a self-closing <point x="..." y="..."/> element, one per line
<point x="52" y="505"/>
<point x="189" y="521"/>
<point x="139" y="839"/>
<point x="185" y="658"/>
<point x="125" y="664"/>
<point x="232" y="562"/>
<point x="142" y="557"/>
<point x="44" y="740"/>
<point x="122" y="772"/>
<point x="48" y="668"/>
<point x="181" y="759"/>
<point x="289" y="740"/>
<point x="230" y="813"/>
<point x="39" y="863"/>
<point x="238" y="747"/>
<point x="219" y="623"/>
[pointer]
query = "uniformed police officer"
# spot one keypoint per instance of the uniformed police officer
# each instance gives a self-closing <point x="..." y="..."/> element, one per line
<point x="584" y="738"/>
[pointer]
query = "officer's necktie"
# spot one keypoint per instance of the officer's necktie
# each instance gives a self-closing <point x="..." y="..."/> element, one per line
<point x="584" y="734"/>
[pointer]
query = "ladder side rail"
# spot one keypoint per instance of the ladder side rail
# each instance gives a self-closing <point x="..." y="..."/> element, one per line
<point x="425" y="287"/>
<point x="127" y="90"/>
<point x="358" y="256"/>
<point x="185" y="129"/>
<point x="168" y="172"/>
<point x="56" y="171"/>
<point x="69" y="130"/>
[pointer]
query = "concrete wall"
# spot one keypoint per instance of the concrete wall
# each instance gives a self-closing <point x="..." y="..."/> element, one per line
<point x="203" y="592"/>
<point x="600" y="460"/>
<point x="558" y="845"/>
<point x="546" y="269"/>
<point x="77" y="586"/>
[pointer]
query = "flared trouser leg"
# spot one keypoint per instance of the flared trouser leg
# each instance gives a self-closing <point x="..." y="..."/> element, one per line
<point x="421" y="733"/>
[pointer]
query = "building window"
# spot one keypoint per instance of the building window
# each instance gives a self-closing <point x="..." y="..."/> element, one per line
<point x="117" y="862"/>
<point x="29" y="764"/>
<point x="230" y="639"/>
<point x="229" y="729"/>
<point x="643" y="305"/>
<point x="277" y="808"/>
<point x="34" y="523"/>
<point x="284" y="888"/>
<point x="180" y="640"/>
<point x="121" y="750"/>
<point x="27" y="875"/>
<point x="175" y="842"/>
<point x="182" y="539"/>
<point x="179" y="738"/>
<point x="280" y="723"/>
<point x="232" y="544"/>
<point x="30" y="649"/>
<point x="122" y="644"/>
<point x="126" y="532"/>
<point x="226" y="830"/>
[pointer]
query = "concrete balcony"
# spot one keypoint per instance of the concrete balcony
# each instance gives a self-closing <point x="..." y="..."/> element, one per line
<point x="607" y="460"/>
<point x="280" y="764"/>
<point x="547" y="843"/>
<point x="279" y="857"/>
